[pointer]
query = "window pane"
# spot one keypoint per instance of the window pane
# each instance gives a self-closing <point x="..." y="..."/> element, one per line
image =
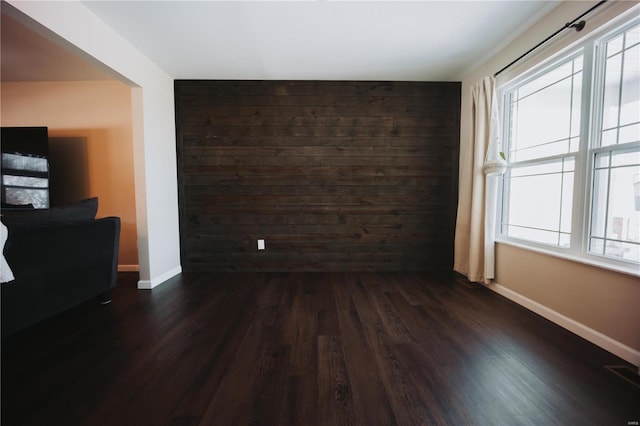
<point x="596" y="246"/>
<point x="609" y="137"/>
<point x="611" y="92"/>
<point x="621" y="91"/>
<point x="622" y="216"/>
<point x="534" y="201"/>
<point x="629" y="133"/>
<point x="544" y="150"/>
<point x="537" y="235"/>
<point x="551" y="106"/>
<point x="625" y="158"/>
<point x="567" y="197"/>
<point x="26" y="181"/>
<point x="539" y="202"/>
<point x="602" y="160"/>
<point x="624" y="251"/>
<point x="537" y="169"/>
<point x="547" y="79"/>
<point x="39" y="198"/>
<point x="575" y="108"/>
<point x="24" y="162"/>
<point x="616" y="206"/>
<point x="630" y="102"/>
<point x="545" y="114"/>
<point x="615" y="45"/>
<point x="599" y="208"/>
<point x="633" y="37"/>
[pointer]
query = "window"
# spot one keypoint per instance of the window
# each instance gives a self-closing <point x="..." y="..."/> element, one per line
<point x="572" y="136"/>
<point x="25" y="180"/>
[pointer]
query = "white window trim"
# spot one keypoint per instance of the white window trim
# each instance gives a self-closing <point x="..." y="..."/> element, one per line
<point x="582" y="191"/>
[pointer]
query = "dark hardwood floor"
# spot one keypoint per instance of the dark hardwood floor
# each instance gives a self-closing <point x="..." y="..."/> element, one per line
<point x="308" y="349"/>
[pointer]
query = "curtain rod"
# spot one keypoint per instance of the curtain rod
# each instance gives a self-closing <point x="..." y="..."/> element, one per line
<point x="576" y="23"/>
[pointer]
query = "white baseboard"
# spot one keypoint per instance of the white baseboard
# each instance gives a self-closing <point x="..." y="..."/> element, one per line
<point x="154" y="282"/>
<point x="605" y="342"/>
<point x="128" y="268"/>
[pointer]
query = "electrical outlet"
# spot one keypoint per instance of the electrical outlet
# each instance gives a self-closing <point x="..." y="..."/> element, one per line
<point x="260" y="244"/>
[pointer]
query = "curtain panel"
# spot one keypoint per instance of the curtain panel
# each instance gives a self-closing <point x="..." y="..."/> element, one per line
<point x="475" y="222"/>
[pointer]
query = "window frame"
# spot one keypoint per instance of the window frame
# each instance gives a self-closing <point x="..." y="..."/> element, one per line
<point x="592" y="48"/>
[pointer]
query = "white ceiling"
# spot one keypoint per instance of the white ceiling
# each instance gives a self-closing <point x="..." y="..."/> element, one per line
<point x="302" y="40"/>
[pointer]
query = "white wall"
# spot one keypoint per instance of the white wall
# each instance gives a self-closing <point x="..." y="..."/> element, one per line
<point x="598" y="304"/>
<point x="70" y="23"/>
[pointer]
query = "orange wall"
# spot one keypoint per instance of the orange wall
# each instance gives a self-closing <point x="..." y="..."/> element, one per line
<point x="90" y="130"/>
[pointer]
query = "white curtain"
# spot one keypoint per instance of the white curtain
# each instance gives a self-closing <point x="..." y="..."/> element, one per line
<point x="475" y="223"/>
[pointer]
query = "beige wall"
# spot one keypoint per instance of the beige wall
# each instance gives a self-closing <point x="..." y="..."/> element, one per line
<point x="90" y="142"/>
<point x="599" y="304"/>
<point x="602" y="300"/>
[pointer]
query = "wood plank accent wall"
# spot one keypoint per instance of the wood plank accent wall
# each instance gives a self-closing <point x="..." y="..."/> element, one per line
<point x="334" y="176"/>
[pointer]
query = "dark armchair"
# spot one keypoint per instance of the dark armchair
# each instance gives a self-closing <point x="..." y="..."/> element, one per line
<point x="57" y="265"/>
